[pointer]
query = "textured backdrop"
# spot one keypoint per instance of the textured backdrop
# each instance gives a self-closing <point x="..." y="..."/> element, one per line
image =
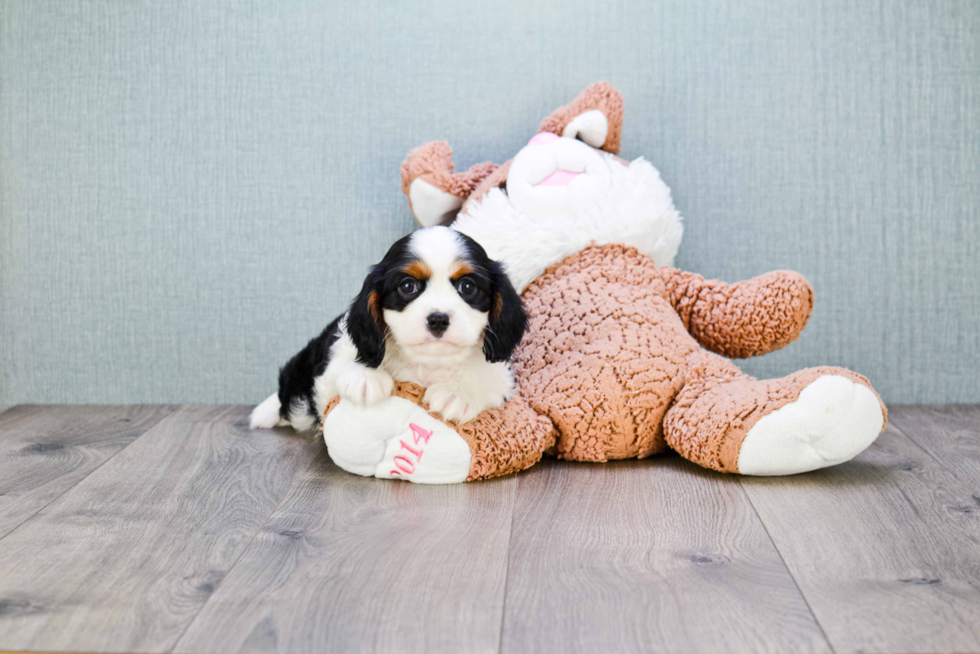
<point x="190" y="190"/>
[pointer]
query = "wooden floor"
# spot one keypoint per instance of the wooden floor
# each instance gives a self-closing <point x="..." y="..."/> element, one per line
<point x="158" y="529"/>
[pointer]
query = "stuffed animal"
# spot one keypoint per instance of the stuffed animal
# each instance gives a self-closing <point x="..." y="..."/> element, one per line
<point x="624" y="355"/>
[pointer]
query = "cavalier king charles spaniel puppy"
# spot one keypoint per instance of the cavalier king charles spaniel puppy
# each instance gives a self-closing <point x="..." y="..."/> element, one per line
<point x="436" y="312"/>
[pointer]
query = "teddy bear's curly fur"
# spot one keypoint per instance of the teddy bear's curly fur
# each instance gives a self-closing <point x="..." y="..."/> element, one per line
<point x="625" y="356"/>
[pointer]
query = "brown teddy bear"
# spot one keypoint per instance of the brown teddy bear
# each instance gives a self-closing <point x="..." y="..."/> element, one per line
<point x="624" y="355"/>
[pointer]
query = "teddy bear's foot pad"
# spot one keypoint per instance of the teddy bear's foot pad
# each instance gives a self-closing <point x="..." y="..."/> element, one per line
<point x="396" y="439"/>
<point x="832" y="421"/>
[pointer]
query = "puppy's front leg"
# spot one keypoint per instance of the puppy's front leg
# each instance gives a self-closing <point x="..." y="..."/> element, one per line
<point x="362" y="385"/>
<point x="351" y="380"/>
<point x="479" y="388"/>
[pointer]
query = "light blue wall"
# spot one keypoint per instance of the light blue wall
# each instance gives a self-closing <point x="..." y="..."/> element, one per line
<point x="190" y="190"/>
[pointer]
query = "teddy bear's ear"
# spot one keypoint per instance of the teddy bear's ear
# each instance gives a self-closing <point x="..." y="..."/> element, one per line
<point x="435" y="192"/>
<point x="595" y="117"/>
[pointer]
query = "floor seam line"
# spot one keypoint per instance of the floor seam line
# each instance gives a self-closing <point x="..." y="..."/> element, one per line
<point x="90" y="473"/>
<point x="782" y="560"/>
<point x="245" y="549"/>
<point x="925" y="451"/>
<point x="962" y="484"/>
<point x="510" y="548"/>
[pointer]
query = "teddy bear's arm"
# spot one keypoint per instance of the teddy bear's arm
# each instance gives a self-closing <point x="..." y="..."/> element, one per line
<point x="435" y="191"/>
<point x="744" y="319"/>
<point x="368" y="440"/>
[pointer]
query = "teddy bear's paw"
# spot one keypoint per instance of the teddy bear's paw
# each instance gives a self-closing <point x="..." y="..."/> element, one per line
<point x="428" y="452"/>
<point x="355" y="435"/>
<point x="832" y="421"/>
<point x="395" y="439"/>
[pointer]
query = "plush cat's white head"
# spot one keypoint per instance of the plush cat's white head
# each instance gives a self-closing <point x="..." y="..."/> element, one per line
<point x="562" y="196"/>
<point x="564" y="191"/>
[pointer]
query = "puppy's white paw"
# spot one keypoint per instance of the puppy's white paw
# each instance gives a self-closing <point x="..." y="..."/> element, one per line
<point x="452" y="402"/>
<point x="364" y="386"/>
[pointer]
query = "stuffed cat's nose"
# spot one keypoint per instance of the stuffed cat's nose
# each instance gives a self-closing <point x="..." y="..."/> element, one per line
<point x="543" y="138"/>
<point x="437" y="323"/>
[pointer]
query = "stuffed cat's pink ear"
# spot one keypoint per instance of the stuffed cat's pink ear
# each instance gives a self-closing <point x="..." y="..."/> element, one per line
<point x="435" y="192"/>
<point x="595" y="117"/>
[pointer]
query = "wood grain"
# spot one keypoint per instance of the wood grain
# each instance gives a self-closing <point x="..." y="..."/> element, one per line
<point x="640" y="556"/>
<point x="882" y="548"/>
<point x="45" y="450"/>
<point x="125" y="559"/>
<point x="352" y="564"/>
<point x="199" y="535"/>
<point x="950" y="434"/>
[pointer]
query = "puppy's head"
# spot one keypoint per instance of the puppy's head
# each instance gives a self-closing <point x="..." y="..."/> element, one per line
<point x="436" y="294"/>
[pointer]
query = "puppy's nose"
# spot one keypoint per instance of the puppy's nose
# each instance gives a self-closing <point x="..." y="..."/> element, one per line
<point x="437" y="323"/>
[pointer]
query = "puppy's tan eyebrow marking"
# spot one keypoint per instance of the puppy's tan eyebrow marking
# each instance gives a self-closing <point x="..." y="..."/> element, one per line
<point x="418" y="270"/>
<point x="459" y="269"/>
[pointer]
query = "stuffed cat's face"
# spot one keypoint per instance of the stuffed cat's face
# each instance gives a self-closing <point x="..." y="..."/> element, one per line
<point x="561" y="196"/>
<point x="564" y="191"/>
<point x="552" y="177"/>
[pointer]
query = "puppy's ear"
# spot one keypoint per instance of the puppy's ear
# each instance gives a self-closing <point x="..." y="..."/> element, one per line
<point x="508" y="320"/>
<point x="365" y="322"/>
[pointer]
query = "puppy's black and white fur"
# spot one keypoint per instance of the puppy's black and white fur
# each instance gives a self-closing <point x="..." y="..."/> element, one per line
<point x="436" y="311"/>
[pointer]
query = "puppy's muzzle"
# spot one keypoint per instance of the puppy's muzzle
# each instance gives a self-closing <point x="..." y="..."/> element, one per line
<point x="437" y="323"/>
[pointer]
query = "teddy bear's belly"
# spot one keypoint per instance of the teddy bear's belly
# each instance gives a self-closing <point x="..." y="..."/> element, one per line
<point x="604" y="356"/>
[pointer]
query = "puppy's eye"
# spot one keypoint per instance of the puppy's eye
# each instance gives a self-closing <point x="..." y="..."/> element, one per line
<point x="409" y="288"/>
<point x="466" y="288"/>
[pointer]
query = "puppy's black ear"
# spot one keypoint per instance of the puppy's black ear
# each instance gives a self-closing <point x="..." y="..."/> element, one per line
<point x="508" y="320"/>
<point x="365" y="322"/>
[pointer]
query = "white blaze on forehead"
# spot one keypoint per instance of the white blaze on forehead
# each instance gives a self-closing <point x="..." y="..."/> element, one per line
<point x="439" y="247"/>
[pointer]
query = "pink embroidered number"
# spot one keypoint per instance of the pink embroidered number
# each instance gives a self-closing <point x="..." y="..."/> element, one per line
<point x="420" y="433"/>
<point x="402" y="463"/>
<point x="417" y="453"/>
<point x="408" y="468"/>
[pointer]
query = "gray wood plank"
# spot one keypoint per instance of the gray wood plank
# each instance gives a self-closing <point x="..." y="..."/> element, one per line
<point x="881" y="549"/>
<point x="125" y="559"/>
<point x="353" y="564"/>
<point x="950" y="434"/>
<point x="639" y="556"/>
<point x="45" y="450"/>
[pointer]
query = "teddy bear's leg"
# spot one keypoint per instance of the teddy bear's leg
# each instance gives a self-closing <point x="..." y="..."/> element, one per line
<point x="745" y="319"/>
<point x="814" y="418"/>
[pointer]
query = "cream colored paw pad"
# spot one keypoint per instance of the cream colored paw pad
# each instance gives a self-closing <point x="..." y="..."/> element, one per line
<point x="432" y="206"/>
<point x="832" y="421"/>
<point x="395" y="439"/>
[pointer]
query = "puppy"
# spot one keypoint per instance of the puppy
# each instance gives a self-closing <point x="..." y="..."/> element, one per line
<point x="436" y="311"/>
